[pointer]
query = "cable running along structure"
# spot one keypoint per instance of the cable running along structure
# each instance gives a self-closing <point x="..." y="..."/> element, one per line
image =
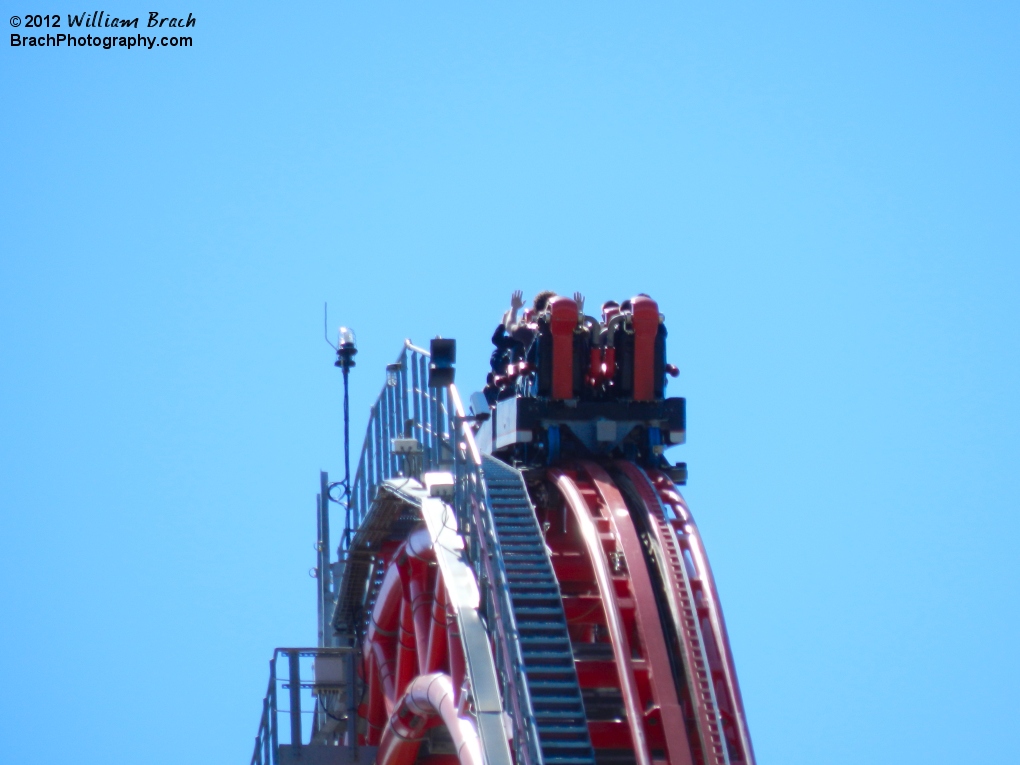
<point x="519" y="581"/>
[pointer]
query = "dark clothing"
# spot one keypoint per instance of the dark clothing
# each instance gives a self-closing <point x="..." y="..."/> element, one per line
<point x="503" y="355"/>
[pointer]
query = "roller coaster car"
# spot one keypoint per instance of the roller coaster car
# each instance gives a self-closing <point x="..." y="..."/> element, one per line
<point x="587" y="389"/>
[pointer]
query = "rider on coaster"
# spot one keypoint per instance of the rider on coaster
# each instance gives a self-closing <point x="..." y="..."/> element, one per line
<point x="513" y="339"/>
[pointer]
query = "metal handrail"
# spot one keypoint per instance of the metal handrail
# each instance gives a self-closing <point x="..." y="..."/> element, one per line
<point x="267" y="740"/>
<point x="405" y="400"/>
<point x="474" y="518"/>
<point x="266" y="743"/>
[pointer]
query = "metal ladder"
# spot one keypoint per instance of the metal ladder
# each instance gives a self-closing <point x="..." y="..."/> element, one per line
<point x="537" y="607"/>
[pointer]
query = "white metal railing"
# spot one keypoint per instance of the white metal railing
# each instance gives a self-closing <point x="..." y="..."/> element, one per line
<point x="406" y="407"/>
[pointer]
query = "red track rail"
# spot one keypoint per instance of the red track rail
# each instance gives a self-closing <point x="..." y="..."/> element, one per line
<point x="695" y="603"/>
<point x="613" y="548"/>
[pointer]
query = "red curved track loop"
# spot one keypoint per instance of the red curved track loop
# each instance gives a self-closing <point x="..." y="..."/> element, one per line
<point x="598" y="528"/>
<point x="695" y="606"/>
<point x="414" y="665"/>
<point x="650" y="644"/>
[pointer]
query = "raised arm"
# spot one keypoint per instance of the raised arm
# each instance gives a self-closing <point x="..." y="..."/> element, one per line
<point x="579" y="299"/>
<point x="516" y="302"/>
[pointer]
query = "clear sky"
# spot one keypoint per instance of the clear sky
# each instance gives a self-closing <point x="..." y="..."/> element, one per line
<point x="823" y="197"/>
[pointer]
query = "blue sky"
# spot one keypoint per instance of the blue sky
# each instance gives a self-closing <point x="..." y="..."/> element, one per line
<point x="822" y="197"/>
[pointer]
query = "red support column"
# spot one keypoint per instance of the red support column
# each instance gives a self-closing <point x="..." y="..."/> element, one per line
<point x="437" y="651"/>
<point x="407" y="653"/>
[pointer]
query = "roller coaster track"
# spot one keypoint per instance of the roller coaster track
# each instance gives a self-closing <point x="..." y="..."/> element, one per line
<point x="559" y="615"/>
